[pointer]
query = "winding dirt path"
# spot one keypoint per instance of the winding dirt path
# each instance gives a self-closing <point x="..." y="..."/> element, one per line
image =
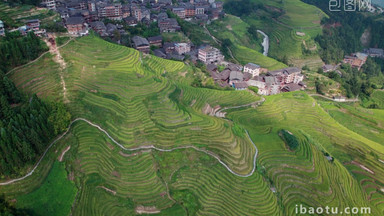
<point x="60" y="60"/>
<point x="219" y="43"/>
<point x="9" y="72"/>
<point x="136" y="149"/>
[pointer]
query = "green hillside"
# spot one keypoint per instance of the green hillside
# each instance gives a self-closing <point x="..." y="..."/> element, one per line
<point x="143" y="101"/>
<point x="280" y="20"/>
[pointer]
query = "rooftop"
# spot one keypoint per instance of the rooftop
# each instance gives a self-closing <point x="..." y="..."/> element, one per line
<point x="74" y="20"/>
<point x="140" y="41"/>
<point x="252" y="66"/>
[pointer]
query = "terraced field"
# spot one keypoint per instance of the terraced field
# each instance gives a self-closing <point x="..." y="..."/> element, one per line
<point x="282" y="30"/>
<point x="16" y="16"/>
<point x="142" y="101"/>
<point x="244" y="49"/>
<point x="325" y="182"/>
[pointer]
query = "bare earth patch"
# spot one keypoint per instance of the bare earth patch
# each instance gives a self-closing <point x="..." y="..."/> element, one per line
<point x="362" y="167"/>
<point x="116" y="174"/>
<point x="110" y="146"/>
<point x="127" y="155"/>
<point x="147" y="210"/>
<point x="63" y="153"/>
<point x="183" y="73"/>
<point x="109" y="190"/>
<point x="229" y="27"/>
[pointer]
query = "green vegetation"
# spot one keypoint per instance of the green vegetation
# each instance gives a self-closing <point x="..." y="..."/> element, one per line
<point x="61" y="40"/>
<point x="144" y="100"/>
<point x="243" y="45"/>
<point x="16" y="13"/>
<point x="289" y="139"/>
<point x="54" y="197"/>
<point x="16" y="49"/>
<point x="281" y="22"/>
<point x="26" y="127"/>
<point x="254" y="89"/>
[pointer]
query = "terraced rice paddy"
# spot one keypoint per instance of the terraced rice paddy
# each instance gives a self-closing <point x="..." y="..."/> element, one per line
<point x="244" y="49"/>
<point x="139" y="101"/>
<point x="17" y="16"/>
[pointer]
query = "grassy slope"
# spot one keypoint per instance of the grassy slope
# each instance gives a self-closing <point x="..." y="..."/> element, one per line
<point x="282" y="32"/>
<point x="53" y="197"/>
<point x="16" y="16"/>
<point x="138" y="104"/>
<point x="245" y="50"/>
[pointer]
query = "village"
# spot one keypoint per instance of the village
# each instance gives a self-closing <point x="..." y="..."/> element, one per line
<point x="79" y="17"/>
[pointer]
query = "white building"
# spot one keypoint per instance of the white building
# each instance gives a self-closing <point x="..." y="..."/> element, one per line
<point x="182" y="48"/>
<point x="254" y="69"/>
<point x="210" y="54"/>
<point x="50" y="4"/>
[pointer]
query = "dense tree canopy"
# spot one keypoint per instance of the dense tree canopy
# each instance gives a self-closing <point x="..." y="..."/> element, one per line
<point x="16" y="49"/>
<point x="26" y="127"/>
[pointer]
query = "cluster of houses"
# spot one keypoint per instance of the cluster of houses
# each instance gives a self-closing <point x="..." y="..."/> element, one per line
<point x="356" y="60"/>
<point x="30" y="25"/>
<point x="80" y="15"/>
<point x="168" y="50"/>
<point x="268" y="82"/>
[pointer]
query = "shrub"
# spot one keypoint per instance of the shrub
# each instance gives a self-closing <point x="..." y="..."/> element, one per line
<point x="289" y="139"/>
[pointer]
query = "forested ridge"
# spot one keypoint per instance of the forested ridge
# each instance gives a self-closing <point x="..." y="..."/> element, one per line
<point x="16" y="49"/>
<point x="341" y="36"/>
<point x="343" y="30"/>
<point x="27" y="125"/>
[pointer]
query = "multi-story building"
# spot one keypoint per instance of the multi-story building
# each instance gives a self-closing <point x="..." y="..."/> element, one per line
<point x="288" y="74"/>
<point x="182" y="48"/>
<point x="190" y="11"/>
<point x="126" y="11"/>
<point x="179" y="11"/>
<point x="50" y="4"/>
<point x="75" y="25"/>
<point x="254" y="69"/>
<point x="208" y="54"/>
<point x="199" y="10"/>
<point x="136" y="12"/>
<point x="168" y="25"/>
<point x="34" y="24"/>
<point x="113" y="12"/>
<point x="92" y="6"/>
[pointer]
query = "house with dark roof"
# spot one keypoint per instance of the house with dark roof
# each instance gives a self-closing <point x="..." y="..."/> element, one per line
<point x="75" y="25"/>
<point x="240" y="85"/>
<point x="328" y="68"/>
<point x="375" y="52"/>
<point x="224" y="75"/>
<point x="159" y="53"/>
<point x="211" y="68"/>
<point x="131" y="21"/>
<point x="236" y="76"/>
<point x="291" y="87"/>
<point x="156" y="41"/>
<point x="168" y="25"/>
<point x="141" y="44"/>
<point x="99" y="27"/>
